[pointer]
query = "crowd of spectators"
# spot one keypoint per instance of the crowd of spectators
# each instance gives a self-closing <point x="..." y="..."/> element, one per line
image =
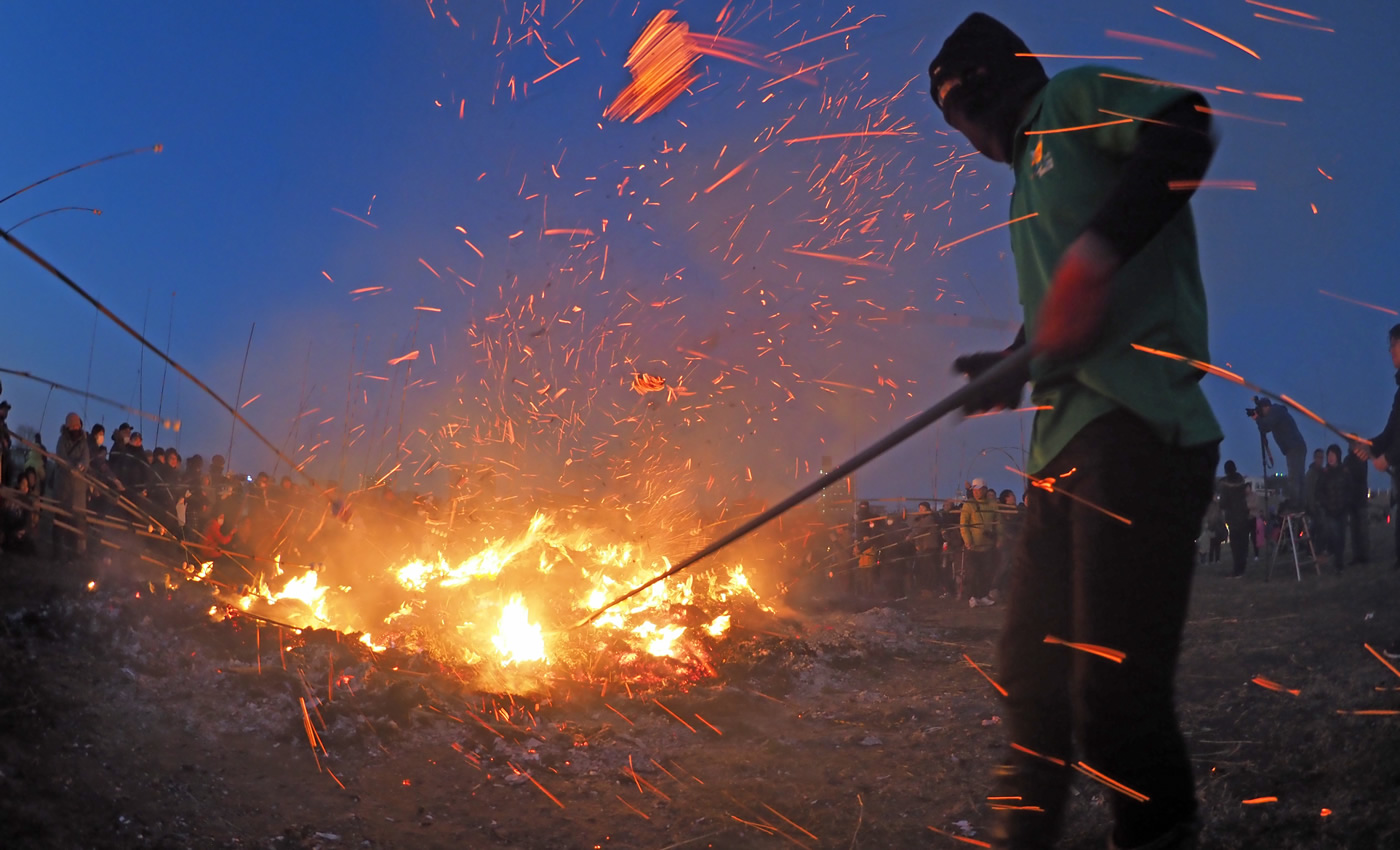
<point x="94" y="485"/>
<point x="959" y="551"/>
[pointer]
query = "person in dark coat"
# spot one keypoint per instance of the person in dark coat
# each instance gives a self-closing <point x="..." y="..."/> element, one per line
<point x="74" y="460"/>
<point x="928" y="547"/>
<point x="1234" y="503"/>
<point x="1384" y="453"/>
<point x="1332" y="497"/>
<point x="6" y="444"/>
<point x="1357" y="520"/>
<point x="866" y="537"/>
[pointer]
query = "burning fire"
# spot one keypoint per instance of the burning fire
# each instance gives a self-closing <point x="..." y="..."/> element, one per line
<point x="491" y="607"/>
<point x="516" y="638"/>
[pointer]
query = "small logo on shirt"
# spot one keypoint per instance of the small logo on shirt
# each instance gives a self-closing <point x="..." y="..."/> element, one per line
<point x="1041" y="162"/>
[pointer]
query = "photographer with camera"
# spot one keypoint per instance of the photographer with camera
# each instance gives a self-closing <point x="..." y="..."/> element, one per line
<point x="1276" y="418"/>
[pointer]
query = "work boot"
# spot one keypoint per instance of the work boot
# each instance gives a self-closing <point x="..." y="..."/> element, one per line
<point x="1183" y="836"/>
<point x="1028" y="805"/>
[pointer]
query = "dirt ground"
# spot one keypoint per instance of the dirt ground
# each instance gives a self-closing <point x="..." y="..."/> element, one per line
<point x="130" y="718"/>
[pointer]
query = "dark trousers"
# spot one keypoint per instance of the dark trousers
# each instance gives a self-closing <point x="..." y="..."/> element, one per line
<point x="927" y="565"/>
<point x="1360" y="522"/>
<point x="1297" y="461"/>
<point x="864" y="584"/>
<point x="1334" y="536"/>
<point x="1082" y="576"/>
<point x="1395" y="514"/>
<point x="1239" y="543"/>
<point x="981" y="567"/>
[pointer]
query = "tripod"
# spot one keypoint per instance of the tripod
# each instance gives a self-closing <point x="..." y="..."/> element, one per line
<point x="1264" y="461"/>
<point x="1303" y="530"/>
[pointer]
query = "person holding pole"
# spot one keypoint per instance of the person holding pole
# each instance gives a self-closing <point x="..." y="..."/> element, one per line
<point x="1384" y="452"/>
<point x="1124" y="446"/>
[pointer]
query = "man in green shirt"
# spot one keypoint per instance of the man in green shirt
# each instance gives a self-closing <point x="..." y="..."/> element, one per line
<point x="1106" y="258"/>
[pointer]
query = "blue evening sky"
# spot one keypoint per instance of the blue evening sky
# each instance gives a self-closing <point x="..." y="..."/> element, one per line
<point x="425" y="117"/>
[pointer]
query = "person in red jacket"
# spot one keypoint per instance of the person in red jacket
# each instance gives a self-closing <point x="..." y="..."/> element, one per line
<point x="215" y="537"/>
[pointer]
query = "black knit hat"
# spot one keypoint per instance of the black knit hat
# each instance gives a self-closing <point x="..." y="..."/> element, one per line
<point x="983" y="49"/>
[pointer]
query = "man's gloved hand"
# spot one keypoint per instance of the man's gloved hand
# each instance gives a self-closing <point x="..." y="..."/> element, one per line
<point x="1001" y="394"/>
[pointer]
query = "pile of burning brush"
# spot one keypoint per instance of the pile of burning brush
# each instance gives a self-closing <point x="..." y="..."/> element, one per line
<point x="509" y="610"/>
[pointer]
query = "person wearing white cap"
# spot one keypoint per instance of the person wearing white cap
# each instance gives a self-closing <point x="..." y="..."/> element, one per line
<point x="978" y="522"/>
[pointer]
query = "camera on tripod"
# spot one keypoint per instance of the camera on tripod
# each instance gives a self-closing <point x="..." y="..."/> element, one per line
<point x="1259" y="401"/>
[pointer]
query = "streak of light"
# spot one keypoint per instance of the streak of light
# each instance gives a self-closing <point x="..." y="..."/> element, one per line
<point x="1381" y="659"/>
<point x="853" y="261"/>
<point x="1258" y="800"/>
<point x="1048" y="485"/>
<point x="1075" y="56"/>
<point x="250" y="401"/>
<point x="660" y="62"/>
<point x="1205" y="29"/>
<point x="412" y="355"/>
<point x="547" y="74"/>
<point x="806" y="69"/>
<point x="1157" y="42"/>
<point x="553" y="799"/>
<point x="568" y="231"/>
<point x="789" y="821"/>
<point x="973" y="841"/>
<point x="1238" y="117"/>
<point x="1080" y="127"/>
<point x="733" y="171"/>
<point x="1114" y="655"/>
<point x="712" y="726"/>
<point x="803" y="44"/>
<point x="1011" y="410"/>
<point x="1239" y="379"/>
<point x="1030" y="752"/>
<point x="999" y="688"/>
<point x="1292" y="23"/>
<point x="428" y="309"/>
<point x="430" y="268"/>
<point x="1274" y="686"/>
<point x="856" y="135"/>
<point x="844" y="386"/>
<point x="1284" y="10"/>
<point x="357" y="218"/>
<point x="632" y="807"/>
<point x="987" y="230"/>
<point x="567" y="14"/>
<point x="1386" y="310"/>
<point x="1110" y="782"/>
<point x="1166" y="83"/>
<point x="1372" y="712"/>
<point x="1187" y="185"/>
<point x="675" y="715"/>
